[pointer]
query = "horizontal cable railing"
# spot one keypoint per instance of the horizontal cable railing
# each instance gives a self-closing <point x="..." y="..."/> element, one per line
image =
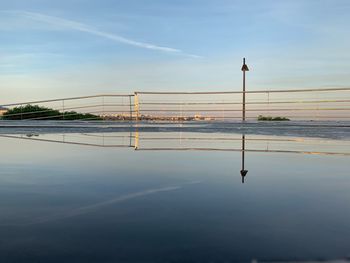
<point x="97" y="107"/>
<point x="67" y="99"/>
<point x="240" y="92"/>
<point x="302" y="104"/>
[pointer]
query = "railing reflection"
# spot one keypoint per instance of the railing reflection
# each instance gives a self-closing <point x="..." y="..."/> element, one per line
<point x="178" y="141"/>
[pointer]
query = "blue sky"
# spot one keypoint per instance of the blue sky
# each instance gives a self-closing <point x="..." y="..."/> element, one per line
<point x="74" y="47"/>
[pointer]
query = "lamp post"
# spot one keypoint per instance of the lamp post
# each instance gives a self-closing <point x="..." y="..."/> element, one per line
<point x="244" y="69"/>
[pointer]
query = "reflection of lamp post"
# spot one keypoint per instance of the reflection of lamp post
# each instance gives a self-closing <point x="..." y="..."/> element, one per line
<point x="243" y="172"/>
<point x="244" y="69"/>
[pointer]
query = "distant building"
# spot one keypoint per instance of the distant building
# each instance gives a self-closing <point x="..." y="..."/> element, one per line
<point x="2" y="110"/>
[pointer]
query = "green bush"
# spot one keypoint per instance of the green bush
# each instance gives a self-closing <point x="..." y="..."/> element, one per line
<point x="269" y="118"/>
<point x="43" y="113"/>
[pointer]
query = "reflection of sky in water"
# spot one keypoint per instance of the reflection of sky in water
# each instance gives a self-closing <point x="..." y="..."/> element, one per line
<point x="73" y="203"/>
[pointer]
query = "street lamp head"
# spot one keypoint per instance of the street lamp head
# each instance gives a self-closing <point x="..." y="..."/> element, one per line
<point x="244" y="67"/>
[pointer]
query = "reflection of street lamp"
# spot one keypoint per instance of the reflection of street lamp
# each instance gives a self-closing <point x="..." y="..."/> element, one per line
<point x="244" y="69"/>
<point x="243" y="171"/>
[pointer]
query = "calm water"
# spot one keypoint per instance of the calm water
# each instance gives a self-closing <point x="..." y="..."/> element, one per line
<point x="177" y="198"/>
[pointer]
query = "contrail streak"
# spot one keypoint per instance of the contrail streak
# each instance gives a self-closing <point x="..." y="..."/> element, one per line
<point x="73" y="25"/>
<point x="93" y="207"/>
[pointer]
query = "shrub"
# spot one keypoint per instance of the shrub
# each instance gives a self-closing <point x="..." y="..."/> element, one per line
<point x="269" y="118"/>
<point x="43" y="113"/>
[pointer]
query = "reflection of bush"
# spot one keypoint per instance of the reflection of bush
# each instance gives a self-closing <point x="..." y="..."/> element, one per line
<point x="269" y="118"/>
<point x="44" y="113"/>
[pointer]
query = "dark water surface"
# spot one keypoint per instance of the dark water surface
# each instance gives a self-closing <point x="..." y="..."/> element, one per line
<point x="177" y="198"/>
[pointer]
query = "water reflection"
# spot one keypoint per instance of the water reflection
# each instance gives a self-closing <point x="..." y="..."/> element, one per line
<point x="173" y="197"/>
<point x="243" y="171"/>
<point x="178" y="141"/>
<point x="174" y="141"/>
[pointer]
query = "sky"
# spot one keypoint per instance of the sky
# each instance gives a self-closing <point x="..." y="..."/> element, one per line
<point x="57" y="49"/>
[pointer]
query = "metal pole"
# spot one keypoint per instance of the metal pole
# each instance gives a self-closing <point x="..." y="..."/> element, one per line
<point x="136" y="106"/>
<point x="244" y="69"/>
<point x="243" y="104"/>
<point x="103" y="108"/>
<point x="243" y="151"/>
<point x="243" y="170"/>
<point x="130" y="109"/>
<point x="63" y="109"/>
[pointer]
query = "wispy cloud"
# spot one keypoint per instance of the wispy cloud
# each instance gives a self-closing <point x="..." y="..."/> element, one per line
<point x="74" y="25"/>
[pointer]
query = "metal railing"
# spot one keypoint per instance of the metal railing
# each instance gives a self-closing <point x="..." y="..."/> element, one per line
<point x="306" y="104"/>
<point x="294" y="104"/>
<point x="86" y="108"/>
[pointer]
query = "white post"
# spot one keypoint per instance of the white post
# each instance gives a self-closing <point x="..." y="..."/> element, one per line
<point x="136" y="106"/>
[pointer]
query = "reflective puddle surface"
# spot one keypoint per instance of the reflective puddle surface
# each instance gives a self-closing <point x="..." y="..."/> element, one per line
<point x="173" y="197"/>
